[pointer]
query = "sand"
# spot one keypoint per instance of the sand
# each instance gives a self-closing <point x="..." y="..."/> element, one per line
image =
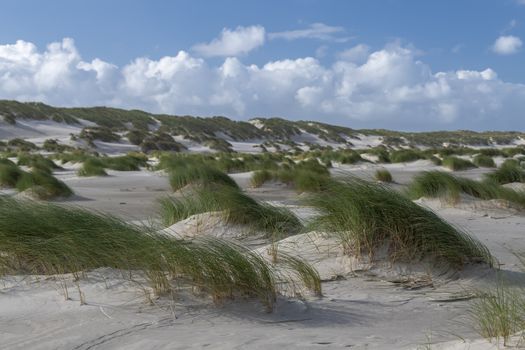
<point x="360" y="309"/>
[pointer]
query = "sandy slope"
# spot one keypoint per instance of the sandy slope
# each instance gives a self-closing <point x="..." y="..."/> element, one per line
<point x="362" y="311"/>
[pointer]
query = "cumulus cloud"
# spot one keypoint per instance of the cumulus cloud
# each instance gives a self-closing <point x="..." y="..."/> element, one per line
<point x="358" y="53"/>
<point x="235" y="42"/>
<point x="318" y="31"/>
<point x="389" y="87"/>
<point x="507" y="45"/>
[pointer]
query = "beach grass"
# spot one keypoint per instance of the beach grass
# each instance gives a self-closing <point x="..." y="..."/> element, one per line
<point x="457" y="164"/>
<point x="236" y="206"/>
<point x="47" y="239"/>
<point x="182" y="176"/>
<point x="383" y="175"/>
<point x="485" y="161"/>
<point x="508" y="172"/>
<point x="366" y="216"/>
<point x="438" y="184"/>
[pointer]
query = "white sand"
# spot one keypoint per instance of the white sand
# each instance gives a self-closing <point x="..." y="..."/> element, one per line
<point x="360" y="309"/>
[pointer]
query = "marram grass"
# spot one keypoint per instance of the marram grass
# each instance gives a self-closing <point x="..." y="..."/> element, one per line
<point x="237" y="207"/>
<point x="457" y="164"/>
<point x="182" y="176"/>
<point x="437" y="184"/>
<point x="366" y="216"/>
<point x="383" y="175"/>
<point x="38" y="238"/>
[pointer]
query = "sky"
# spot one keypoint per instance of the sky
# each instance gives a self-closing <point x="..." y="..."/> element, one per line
<point x="395" y="64"/>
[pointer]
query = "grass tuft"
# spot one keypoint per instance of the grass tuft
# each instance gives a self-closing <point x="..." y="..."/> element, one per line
<point x="182" y="176"/>
<point x="238" y="208"/>
<point x="457" y="164"/>
<point x="383" y="175"/>
<point x="438" y="184"/>
<point x="484" y="161"/>
<point x="365" y="216"/>
<point x="38" y="238"/>
<point x="508" y="172"/>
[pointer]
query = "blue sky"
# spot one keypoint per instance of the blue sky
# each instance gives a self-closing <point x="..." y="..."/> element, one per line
<point x="425" y="59"/>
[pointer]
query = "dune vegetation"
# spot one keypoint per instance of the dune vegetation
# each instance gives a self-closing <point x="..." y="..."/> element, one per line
<point x="457" y="164"/>
<point x="366" y="216"/>
<point x="509" y="171"/>
<point x="47" y="239"/>
<point x="383" y="175"/>
<point x="485" y="161"/>
<point x="438" y="184"/>
<point x="236" y="207"/>
<point x="38" y="183"/>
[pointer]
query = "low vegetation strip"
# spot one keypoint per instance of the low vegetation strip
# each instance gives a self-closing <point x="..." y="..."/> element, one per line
<point x="366" y="216"/>
<point x="437" y="184"/>
<point x="236" y="206"/>
<point x="40" y="238"/>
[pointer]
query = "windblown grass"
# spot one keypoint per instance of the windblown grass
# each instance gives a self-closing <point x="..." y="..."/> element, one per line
<point x="367" y="216"/>
<point x="260" y="177"/>
<point x="508" y="172"/>
<point x="40" y="183"/>
<point x="305" y="176"/>
<point x="43" y="185"/>
<point x="500" y="312"/>
<point x="37" y="162"/>
<point x="10" y="173"/>
<point x="182" y="176"/>
<point x="404" y="156"/>
<point x="485" y="161"/>
<point x="438" y="184"/>
<point x="383" y="175"/>
<point x="237" y="207"/>
<point x="38" y="238"/>
<point x="92" y="167"/>
<point x="457" y="164"/>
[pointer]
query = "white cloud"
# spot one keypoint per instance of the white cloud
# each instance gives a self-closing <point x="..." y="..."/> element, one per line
<point x="356" y="54"/>
<point x="318" y="31"/>
<point x="507" y="45"/>
<point x="388" y="88"/>
<point x="235" y="42"/>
